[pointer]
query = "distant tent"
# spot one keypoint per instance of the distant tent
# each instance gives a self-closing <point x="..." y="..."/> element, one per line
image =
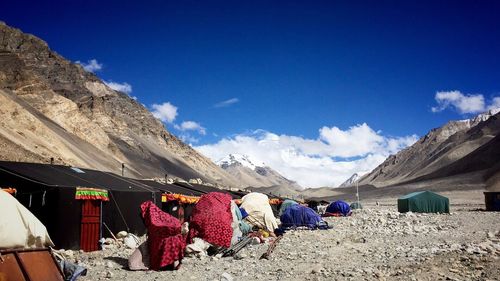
<point x="356" y="205"/>
<point x="287" y="203"/>
<point x="424" y="202"/>
<point x="339" y="208"/>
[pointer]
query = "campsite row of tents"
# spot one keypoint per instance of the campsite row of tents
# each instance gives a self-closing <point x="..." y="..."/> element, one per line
<point x="79" y="206"/>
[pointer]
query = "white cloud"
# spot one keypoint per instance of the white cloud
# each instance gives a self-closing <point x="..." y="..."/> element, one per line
<point x="90" y="66"/>
<point x="120" y="87"/>
<point x="191" y="126"/>
<point x="464" y="103"/>
<point x="166" y="112"/>
<point x="358" y="140"/>
<point x="495" y="103"/>
<point x="227" y="102"/>
<point x="187" y="138"/>
<point x="326" y="161"/>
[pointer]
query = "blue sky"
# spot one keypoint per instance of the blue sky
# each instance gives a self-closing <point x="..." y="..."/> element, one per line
<point x="309" y="71"/>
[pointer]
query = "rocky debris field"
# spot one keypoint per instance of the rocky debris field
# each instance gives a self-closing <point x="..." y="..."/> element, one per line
<point x="372" y="244"/>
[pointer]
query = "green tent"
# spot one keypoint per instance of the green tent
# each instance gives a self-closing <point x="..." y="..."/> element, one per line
<point x="287" y="203"/>
<point x="356" y="205"/>
<point x="424" y="202"/>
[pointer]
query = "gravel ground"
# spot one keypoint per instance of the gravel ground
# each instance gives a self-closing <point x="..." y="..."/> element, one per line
<point x="376" y="243"/>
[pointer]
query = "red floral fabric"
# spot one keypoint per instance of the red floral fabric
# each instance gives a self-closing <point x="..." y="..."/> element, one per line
<point x="211" y="219"/>
<point x="166" y="244"/>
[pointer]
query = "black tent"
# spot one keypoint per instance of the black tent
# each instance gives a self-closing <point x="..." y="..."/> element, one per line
<point x="49" y="192"/>
<point x="171" y="188"/>
<point x="206" y="189"/>
<point x="174" y="208"/>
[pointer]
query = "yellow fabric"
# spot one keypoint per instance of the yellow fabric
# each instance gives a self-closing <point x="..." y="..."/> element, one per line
<point x="19" y="228"/>
<point x="179" y="197"/>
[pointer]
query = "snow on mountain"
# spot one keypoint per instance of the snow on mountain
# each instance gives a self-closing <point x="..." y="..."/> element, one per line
<point x="244" y="160"/>
<point x="351" y="181"/>
<point x="250" y="172"/>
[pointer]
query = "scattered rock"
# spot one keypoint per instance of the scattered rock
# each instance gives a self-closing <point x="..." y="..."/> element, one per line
<point x="121" y="234"/>
<point x="376" y="250"/>
<point x="226" y="277"/>
<point x="109" y="264"/>
<point x="69" y="254"/>
<point x="131" y="241"/>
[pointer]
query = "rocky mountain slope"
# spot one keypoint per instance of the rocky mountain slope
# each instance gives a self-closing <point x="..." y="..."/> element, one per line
<point x="250" y="173"/>
<point x="52" y="108"/>
<point x="457" y="148"/>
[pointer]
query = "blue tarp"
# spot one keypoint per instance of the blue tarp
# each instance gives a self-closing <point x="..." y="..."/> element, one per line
<point x="339" y="207"/>
<point x="298" y="215"/>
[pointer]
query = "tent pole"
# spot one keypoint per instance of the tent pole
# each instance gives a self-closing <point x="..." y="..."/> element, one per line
<point x="357" y="192"/>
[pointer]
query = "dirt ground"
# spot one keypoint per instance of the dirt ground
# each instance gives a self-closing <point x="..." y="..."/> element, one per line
<point x="376" y="243"/>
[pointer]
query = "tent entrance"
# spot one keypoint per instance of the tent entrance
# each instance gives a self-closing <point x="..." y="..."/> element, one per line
<point x="90" y="225"/>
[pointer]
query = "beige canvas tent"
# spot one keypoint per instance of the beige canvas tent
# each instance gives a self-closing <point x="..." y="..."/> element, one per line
<point x="19" y="228"/>
<point x="260" y="213"/>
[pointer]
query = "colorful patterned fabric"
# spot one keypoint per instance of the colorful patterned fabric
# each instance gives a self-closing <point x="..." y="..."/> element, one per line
<point x="87" y="193"/>
<point x="166" y="244"/>
<point x="179" y="197"/>
<point x="272" y="201"/>
<point x="211" y="219"/>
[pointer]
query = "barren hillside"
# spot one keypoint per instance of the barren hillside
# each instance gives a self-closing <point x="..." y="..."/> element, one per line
<point x="52" y="108"/>
<point x="457" y="148"/>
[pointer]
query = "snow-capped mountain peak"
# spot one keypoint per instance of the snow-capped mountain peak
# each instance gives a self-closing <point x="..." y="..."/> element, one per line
<point x="244" y="160"/>
<point x="351" y="181"/>
<point x="253" y="173"/>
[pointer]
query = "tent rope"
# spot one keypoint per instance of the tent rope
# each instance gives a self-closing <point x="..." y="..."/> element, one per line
<point x="119" y="210"/>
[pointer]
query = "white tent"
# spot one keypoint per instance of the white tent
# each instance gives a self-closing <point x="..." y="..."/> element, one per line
<point x="19" y="228"/>
<point x="259" y="211"/>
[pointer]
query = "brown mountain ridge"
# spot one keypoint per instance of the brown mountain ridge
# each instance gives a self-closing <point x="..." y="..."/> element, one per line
<point x="457" y="149"/>
<point x="52" y="108"/>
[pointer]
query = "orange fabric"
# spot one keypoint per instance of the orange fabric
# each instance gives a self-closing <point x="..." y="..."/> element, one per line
<point x="179" y="197"/>
<point x="273" y="201"/>
<point x="10" y="190"/>
<point x="194" y="199"/>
